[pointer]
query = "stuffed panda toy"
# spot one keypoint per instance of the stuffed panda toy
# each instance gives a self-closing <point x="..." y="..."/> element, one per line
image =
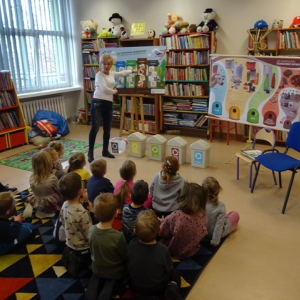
<point x="208" y="23"/>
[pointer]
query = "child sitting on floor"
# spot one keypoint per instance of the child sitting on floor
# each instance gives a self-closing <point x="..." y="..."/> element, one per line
<point x="139" y="194"/>
<point x="183" y="229"/>
<point x="76" y="164"/>
<point x="45" y="198"/>
<point x="54" y="157"/>
<point x="149" y="263"/>
<point x="98" y="184"/>
<point x="76" y="222"/>
<point x="108" y="249"/>
<point x="60" y="149"/>
<point x="12" y="230"/>
<point x="166" y="187"/>
<point x="220" y="224"/>
<point x="124" y="185"/>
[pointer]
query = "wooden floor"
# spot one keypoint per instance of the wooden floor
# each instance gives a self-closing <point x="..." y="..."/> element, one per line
<point x="259" y="261"/>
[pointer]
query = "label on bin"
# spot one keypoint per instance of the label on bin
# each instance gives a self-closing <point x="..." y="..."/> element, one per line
<point x="175" y="152"/>
<point x="135" y="147"/>
<point x="198" y="157"/>
<point x="154" y="151"/>
<point x="114" y="147"/>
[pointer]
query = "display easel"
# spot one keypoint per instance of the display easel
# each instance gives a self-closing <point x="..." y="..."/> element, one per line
<point x="134" y="115"/>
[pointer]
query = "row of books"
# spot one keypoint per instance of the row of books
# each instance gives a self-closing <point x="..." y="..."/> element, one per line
<point x="89" y="85"/>
<point x="288" y="40"/>
<point x="179" y="89"/>
<point x="263" y="42"/>
<point x="148" y="108"/>
<point x="188" y="58"/>
<point x="192" y="41"/>
<point x="187" y="105"/>
<point x="90" y="59"/>
<point x="188" y="120"/>
<point x="116" y="114"/>
<point x="103" y="44"/>
<point x="5" y="80"/>
<point x="189" y="74"/>
<point x="148" y="125"/>
<point x="91" y="45"/>
<point x="9" y="120"/>
<point x="6" y="99"/>
<point x="90" y="72"/>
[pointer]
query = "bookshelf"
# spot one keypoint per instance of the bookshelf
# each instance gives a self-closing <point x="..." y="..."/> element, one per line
<point x="13" y="130"/>
<point x="143" y="42"/>
<point x="90" y="58"/>
<point x="185" y="102"/>
<point x="279" y="42"/>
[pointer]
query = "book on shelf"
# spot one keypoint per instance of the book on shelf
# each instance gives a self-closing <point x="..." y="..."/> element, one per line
<point x="5" y="80"/>
<point x="252" y="153"/>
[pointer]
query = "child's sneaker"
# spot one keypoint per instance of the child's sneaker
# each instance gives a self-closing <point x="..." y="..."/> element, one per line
<point x="172" y="292"/>
<point x="65" y="257"/>
<point x="73" y="266"/>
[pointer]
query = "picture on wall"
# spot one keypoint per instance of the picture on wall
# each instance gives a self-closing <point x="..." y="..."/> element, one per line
<point x="261" y="91"/>
<point x="151" y="65"/>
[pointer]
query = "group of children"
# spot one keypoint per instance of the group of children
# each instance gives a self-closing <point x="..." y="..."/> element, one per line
<point x="168" y="219"/>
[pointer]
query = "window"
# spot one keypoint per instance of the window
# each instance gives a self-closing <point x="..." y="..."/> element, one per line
<point x="36" y="43"/>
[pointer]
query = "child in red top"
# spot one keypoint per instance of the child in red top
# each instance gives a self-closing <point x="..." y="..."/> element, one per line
<point x="183" y="229"/>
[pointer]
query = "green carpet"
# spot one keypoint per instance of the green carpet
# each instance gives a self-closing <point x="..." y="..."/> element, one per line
<point x="23" y="160"/>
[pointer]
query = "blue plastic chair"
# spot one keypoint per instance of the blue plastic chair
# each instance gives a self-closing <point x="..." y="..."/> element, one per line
<point x="280" y="162"/>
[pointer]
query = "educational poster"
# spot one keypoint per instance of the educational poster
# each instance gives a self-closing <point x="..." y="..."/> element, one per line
<point x="151" y="63"/>
<point x="261" y="91"/>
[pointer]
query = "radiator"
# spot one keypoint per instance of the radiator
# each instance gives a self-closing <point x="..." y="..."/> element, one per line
<point x="56" y="104"/>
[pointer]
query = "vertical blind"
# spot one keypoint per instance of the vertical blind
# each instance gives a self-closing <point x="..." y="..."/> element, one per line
<point x="36" y="43"/>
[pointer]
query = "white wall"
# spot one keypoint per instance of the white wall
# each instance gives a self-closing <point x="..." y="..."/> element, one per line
<point x="234" y="17"/>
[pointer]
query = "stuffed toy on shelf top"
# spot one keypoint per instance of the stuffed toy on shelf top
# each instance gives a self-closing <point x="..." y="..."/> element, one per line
<point x="89" y="29"/>
<point x="173" y="25"/>
<point x="118" y="29"/>
<point x="296" y="22"/>
<point x="208" y="23"/>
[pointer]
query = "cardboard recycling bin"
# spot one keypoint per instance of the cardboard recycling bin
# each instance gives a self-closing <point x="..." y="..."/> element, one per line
<point x="137" y="144"/>
<point x="177" y="148"/>
<point x="157" y="147"/>
<point x="200" y="151"/>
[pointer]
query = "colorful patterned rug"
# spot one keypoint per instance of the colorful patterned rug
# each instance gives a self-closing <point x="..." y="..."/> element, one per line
<point x="34" y="270"/>
<point x="23" y="160"/>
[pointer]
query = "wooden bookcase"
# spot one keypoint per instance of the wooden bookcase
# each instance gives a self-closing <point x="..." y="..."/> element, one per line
<point x="186" y="100"/>
<point x="13" y="130"/>
<point x="90" y="58"/>
<point x="151" y="103"/>
<point x="279" y="42"/>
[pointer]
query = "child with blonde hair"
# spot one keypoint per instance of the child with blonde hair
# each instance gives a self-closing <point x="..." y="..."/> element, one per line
<point x="54" y="157"/>
<point x="220" y="224"/>
<point x="166" y="187"/>
<point x="183" y="229"/>
<point x="12" y="230"/>
<point x="123" y="186"/>
<point x="45" y="198"/>
<point x="76" y="164"/>
<point x="98" y="184"/>
<point x="60" y="149"/>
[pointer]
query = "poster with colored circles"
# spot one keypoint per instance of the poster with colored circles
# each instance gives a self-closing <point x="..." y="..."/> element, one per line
<point x="261" y="91"/>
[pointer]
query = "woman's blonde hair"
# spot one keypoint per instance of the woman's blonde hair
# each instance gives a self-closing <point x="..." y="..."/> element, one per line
<point x="41" y="166"/>
<point x="127" y="172"/>
<point x="76" y="161"/>
<point x="213" y="188"/>
<point x="104" y="57"/>
<point x="170" y="168"/>
<point x="193" y="198"/>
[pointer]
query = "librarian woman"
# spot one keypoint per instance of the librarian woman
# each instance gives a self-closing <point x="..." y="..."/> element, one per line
<point x="102" y="104"/>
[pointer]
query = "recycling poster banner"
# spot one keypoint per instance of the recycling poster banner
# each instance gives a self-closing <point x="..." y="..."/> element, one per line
<point x="262" y="91"/>
<point x="151" y="63"/>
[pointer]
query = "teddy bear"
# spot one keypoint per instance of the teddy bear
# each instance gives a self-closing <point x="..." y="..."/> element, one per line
<point x="89" y="29"/>
<point x="193" y="28"/>
<point x="173" y="25"/>
<point x="118" y="29"/>
<point x="184" y="27"/>
<point x="208" y="23"/>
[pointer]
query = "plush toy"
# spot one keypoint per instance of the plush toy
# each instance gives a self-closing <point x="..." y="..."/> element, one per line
<point x="277" y="24"/>
<point x="184" y="27"/>
<point x="208" y="23"/>
<point x="89" y="29"/>
<point x="151" y="33"/>
<point x="105" y="33"/>
<point x="260" y="24"/>
<point x="118" y="29"/>
<point x="296" y="22"/>
<point x="193" y="28"/>
<point x="173" y="25"/>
